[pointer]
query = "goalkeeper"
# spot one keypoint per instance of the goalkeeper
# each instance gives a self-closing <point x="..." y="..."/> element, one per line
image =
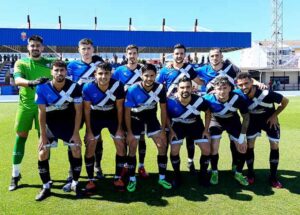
<point x="28" y="73"/>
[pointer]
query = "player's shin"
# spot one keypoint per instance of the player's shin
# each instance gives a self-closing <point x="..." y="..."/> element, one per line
<point x="142" y="152"/>
<point x="98" y="154"/>
<point x="89" y="165"/>
<point x="18" y="154"/>
<point x="120" y="161"/>
<point x="162" y="161"/>
<point x="250" y="161"/>
<point x="43" y="167"/>
<point x="274" y="160"/>
<point x="131" y="161"/>
<point x="240" y="162"/>
<point x="234" y="153"/>
<point x="214" y="159"/>
<point x="76" y="168"/>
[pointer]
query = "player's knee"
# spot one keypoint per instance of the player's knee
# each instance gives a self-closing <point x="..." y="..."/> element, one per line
<point x="76" y="152"/>
<point x="89" y="152"/>
<point x="43" y="154"/>
<point x="174" y="150"/>
<point x="162" y="149"/>
<point x="23" y="134"/>
<point x="205" y="150"/>
<point x="250" y="143"/>
<point x="120" y="148"/>
<point x="214" y="150"/>
<point x="274" y="145"/>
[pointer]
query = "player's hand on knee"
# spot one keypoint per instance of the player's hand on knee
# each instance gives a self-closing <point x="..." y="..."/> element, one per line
<point x="43" y="142"/>
<point x="163" y="138"/>
<point x="242" y="148"/>
<point x="130" y="138"/>
<point x="172" y="135"/>
<point x="75" y="138"/>
<point x="119" y="134"/>
<point x="89" y="138"/>
<point x="273" y="122"/>
<point x="205" y="134"/>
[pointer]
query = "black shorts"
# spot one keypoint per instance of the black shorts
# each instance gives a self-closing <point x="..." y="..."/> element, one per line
<point x="139" y="126"/>
<point x="257" y="124"/>
<point x="232" y="126"/>
<point x="193" y="131"/>
<point x="60" y="131"/>
<point x="97" y="126"/>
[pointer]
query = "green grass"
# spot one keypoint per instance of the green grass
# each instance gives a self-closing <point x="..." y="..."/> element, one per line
<point x="226" y="198"/>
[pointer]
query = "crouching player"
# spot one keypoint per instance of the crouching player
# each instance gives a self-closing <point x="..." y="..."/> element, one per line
<point x="140" y="111"/>
<point x="263" y="116"/>
<point x="184" y="112"/>
<point x="103" y="108"/>
<point x="224" y="104"/>
<point x="60" y="112"/>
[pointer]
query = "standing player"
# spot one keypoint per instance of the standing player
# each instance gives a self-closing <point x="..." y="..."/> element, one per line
<point x="140" y="111"/>
<point x="103" y="108"/>
<point x="82" y="71"/>
<point x="170" y="77"/>
<point x="263" y="116"/>
<point x="224" y="104"/>
<point x="28" y="73"/>
<point x="128" y="75"/>
<point x="60" y="114"/>
<point x="218" y="67"/>
<point x="184" y="111"/>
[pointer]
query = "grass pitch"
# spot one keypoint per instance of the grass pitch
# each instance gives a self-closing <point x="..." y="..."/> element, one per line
<point x="226" y="198"/>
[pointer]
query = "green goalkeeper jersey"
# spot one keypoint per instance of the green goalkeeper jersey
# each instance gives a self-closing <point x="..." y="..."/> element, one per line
<point x="30" y="69"/>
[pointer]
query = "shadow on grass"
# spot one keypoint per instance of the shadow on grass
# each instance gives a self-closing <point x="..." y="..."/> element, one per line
<point x="149" y="192"/>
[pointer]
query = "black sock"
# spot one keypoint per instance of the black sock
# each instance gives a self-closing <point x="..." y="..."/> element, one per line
<point x="98" y="153"/>
<point x="120" y="160"/>
<point x="89" y="165"/>
<point x="190" y="147"/>
<point x="274" y="160"/>
<point x="241" y="158"/>
<point x="234" y="153"/>
<point x="76" y="167"/>
<point x="204" y="162"/>
<point x="168" y="140"/>
<point x="214" y="159"/>
<point x="70" y="157"/>
<point x="250" y="161"/>
<point x="142" y="151"/>
<point x="175" y="160"/>
<point x="162" y="161"/>
<point x="43" y="167"/>
<point x="131" y="161"/>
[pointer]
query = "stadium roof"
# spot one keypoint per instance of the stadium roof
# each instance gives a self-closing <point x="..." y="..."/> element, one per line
<point x="66" y="41"/>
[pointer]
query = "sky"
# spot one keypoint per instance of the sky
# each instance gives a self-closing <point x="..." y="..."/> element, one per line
<point x="253" y="16"/>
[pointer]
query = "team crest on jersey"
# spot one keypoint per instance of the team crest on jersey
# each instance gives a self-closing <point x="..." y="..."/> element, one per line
<point x="48" y="65"/>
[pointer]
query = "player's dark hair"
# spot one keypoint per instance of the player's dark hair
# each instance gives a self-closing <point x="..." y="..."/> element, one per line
<point x="244" y="75"/>
<point x="59" y="63"/>
<point x="35" y="38"/>
<point x="131" y="46"/>
<point x="179" y="46"/>
<point x="184" y="79"/>
<point x="221" y="80"/>
<point x="85" y="41"/>
<point x="149" y="66"/>
<point x="216" y="48"/>
<point x="104" y="66"/>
